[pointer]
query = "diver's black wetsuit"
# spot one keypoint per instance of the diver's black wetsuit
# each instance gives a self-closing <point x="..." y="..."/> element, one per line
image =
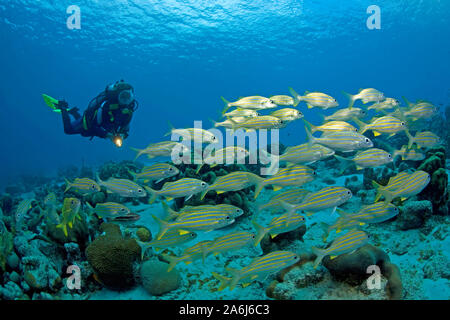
<point x="102" y="117"/>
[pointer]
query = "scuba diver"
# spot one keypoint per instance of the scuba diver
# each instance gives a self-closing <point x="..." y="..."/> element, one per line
<point x="107" y="116"/>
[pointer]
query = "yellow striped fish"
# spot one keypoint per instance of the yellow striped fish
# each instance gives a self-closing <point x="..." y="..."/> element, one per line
<point x="83" y="186"/>
<point x="23" y="208"/>
<point x="195" y="221"/>
<point x="161" y="149"/>
<point x="189" y="254"/>
<point x="230" y="242"/>
<point x="194" y="134"/>
<point x="233" y="181"/>
<point x="292" y="196"/>
<point x="50" y="203"/>
<point x="284" y="223"/>
<point x="256" y="123"/>
<point x="227" y="155"/>
<point x="229" y="209"/>
<point x="157" y="171"/>
<point x="282" y="100"/>
<point x="385" y="124"/>
<point x="123" y="187"/>
<point x="410" y="154"/>
<point x="259" y="268"/>
<point x="325" y="198"/>
<point x="287" y="114"/>
<point x="373" y="213"/>
<point x="344" y="141"/>
<point x="241" y="113"/>
<point x="109" y="209"/>
<point x="252" y="102"/>
<point x="172" y="238"/>
<point x="70" y="211"/>
<point x="185" y="187"/>
<point x="347" y="243"/>
<point x="314" y="99"/>
<point x="331" y="126"/>
<point x="301" y="154"/>
<point x="369" y="158"/>
<point x="420" y="110"/>
<point x="366" y="96"/>
<point x="338" y="226"/>
<point x="228" y="123"/>
<point x="425" y="139"/>
<point x="346" y="114"/>
<point x="296" y="175"/>
<point x="411" y="186"/>
<point x="388" y="103"/>
<point x="394" y="183"/>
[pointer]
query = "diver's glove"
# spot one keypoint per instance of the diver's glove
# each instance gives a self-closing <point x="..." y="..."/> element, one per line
<point x="62" y="104"/>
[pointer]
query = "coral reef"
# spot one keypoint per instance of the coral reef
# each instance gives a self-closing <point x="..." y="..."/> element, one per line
<point x="155" y="278"/>
<point x="112" y="257"/>
<point x="413" y="214"/>
<point x="436" y="191"/>
<point x="352" y="268"/>
<point x="144" y="234"/>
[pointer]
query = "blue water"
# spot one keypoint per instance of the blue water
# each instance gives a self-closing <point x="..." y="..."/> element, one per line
<point x="181" y="56"/>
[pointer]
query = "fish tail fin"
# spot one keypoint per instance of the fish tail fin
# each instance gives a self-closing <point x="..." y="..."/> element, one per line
<point x="260" y="232"/>
<point x="224" y="281"/>
<point x="312" y="127"/>
<point x="168" y="211"/>
<point x="381" y="191"/>
<point x="326" y="230"/>
<point x="68" y="185"/>
<point x="171" y="128"/>
<point x="236" y="276"/>
<point x="320" y="253"/>
<point x="133" y="174"/>
<point x="173" y="261"/>
<point x="295" y="95"/>
<point x="410" y="138"/>
<point x="139" y="152"/>
<point x="362" y="126"/>
<point x="351" y="99"/>
<point x="259" y="186"/>
<point x="153" y="194"/>
<point x="227" y="105"/>
<point x="408" y="103"/>
<point x="163" y="227"/>
<point x="144" y="246"/>
<point x="345" y="163"/>
<point x="204" y="192"/>
<point x="64" y="227"/>
<point x="273" y="159"/>
<point x="199" y="167"/>
<point x="311" y="139"/>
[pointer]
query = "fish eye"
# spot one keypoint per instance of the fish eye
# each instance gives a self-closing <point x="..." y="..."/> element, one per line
<point x="123" y="210"/>
<point x="253" y="236"/>
<point x="389" y="156"/>
<point x="314" y="173"/>
<point x="228" y="217"/>
<point x="349" y="192"/>
<point x="140" y="190"/>
<point x="402" y="123"/>
<point x="367" y="140"/>
<point x="93" y="186"/>
<point x="72" y="202"/>
<point x="170" y="169"/>
<point x="192" y="235"/>
<point x="203" y="183"/>
<point x="363" y="112"/>
<point x="295" y="257"/>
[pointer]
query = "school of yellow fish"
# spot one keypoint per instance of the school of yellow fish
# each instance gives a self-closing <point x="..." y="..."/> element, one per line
<point x="293" y="205"/>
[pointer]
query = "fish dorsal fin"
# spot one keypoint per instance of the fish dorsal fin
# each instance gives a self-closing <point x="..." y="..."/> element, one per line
<point x="360" y="89"/>
<point x="306" y="92"/>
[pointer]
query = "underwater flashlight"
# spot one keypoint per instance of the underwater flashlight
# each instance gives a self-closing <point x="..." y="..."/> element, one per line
<point x="118" y="141"/>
